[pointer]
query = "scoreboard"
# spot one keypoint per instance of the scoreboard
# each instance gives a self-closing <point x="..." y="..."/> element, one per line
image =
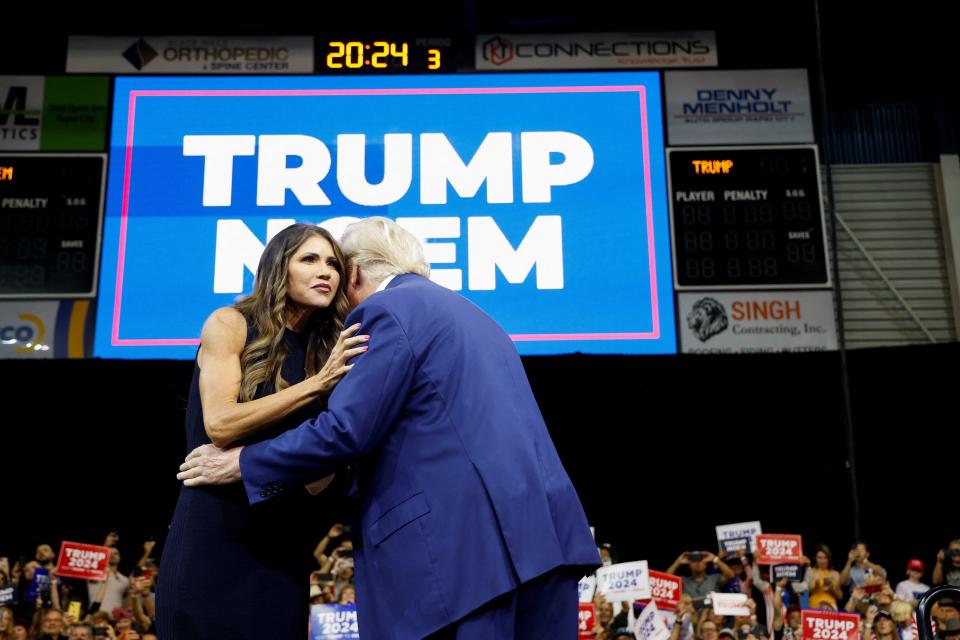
<point x="51" y="210"/>
<point x="747" y="218"/>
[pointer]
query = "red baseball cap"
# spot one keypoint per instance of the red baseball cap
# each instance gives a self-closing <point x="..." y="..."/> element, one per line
<point x="915" y="564"/>
<point x="119" y="613"/>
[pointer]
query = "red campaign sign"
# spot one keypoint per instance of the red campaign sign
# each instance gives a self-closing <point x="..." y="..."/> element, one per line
<point x="84" y="561"/>
<point x="829" y="625"/>
<point x="666" y="590"/>
<point x="778" y="548"/>
<point x="588" y="620"/>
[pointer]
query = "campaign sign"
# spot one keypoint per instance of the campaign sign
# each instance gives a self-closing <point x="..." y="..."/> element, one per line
<point x="624" y="581"/>
<point x="83" y="561"/>
<point x="665" y="590"/>
<point x="735" y="544"/>
<point x="791" y="572"/>
<point x="588" y="619"/>
<point x="650" y="625"/>
<point x="730" y="604"/>
<point x="587" y="587"/>
<point x="778" y="548"/>
<point x="6" y="595"/>
<point x="539" y="197"/>
<point x="830" y="625"/>
<point x="334" y="622"/>
<point x="748" y="530"/>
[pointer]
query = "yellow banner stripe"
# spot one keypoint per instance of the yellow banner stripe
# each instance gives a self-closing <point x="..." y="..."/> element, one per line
<point x="78" y="322"/>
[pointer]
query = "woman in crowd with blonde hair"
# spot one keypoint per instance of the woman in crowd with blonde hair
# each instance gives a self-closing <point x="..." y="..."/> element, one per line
<point x="902" y="613"/>
<point x="6" y="623"/>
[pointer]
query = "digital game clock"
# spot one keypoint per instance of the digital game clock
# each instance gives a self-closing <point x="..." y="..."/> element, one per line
<point x="414" y="55"/>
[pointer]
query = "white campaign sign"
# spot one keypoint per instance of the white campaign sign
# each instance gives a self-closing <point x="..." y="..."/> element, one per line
<point x="625" y="581"/>
<point x="748" y="530"/>
<point x="651" y="625"/>
<point x="587" y="587"/>
<point x="730" y="604"/>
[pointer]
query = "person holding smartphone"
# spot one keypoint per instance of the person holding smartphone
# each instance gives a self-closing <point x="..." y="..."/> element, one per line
<point x="947" y="568"/>
<point x="699" y="583"/>
<point x="102" y="624"/>
<point x="114" y="591"/>
<point x="822" y="580"/>
<point x="859" y="569"/>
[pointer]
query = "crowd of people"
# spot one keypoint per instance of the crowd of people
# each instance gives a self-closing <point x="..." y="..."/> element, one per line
<point x="333" y="582"/>
<point x="885" y="605"/>
<point x="39" y="605"/>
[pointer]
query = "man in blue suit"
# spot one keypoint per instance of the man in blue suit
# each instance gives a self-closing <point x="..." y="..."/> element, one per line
<point x="469" y="526"/>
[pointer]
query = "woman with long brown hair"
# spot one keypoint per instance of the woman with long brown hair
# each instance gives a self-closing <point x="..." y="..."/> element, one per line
<point x="823" y="580"/>
<point x="264" y="365"/>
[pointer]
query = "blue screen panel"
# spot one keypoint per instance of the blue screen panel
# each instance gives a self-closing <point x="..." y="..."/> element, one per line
<point x="540" y="197"/>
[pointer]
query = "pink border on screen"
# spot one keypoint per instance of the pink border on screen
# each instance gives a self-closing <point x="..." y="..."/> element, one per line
<point x="526" y="337"/>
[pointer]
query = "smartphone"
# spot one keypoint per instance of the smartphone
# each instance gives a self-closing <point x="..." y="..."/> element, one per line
<point x="325" y="577"/>
<point x="99" y="632"/>
<point x="345" y="529"/>
<point x="346" y="553"/>
<point x="873" y="588"/>
<point x="74" y="609"/>
<point x="695" y="556"/>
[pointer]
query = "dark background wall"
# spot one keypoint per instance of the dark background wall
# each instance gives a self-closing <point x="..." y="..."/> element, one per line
<point x="661" y="449"/>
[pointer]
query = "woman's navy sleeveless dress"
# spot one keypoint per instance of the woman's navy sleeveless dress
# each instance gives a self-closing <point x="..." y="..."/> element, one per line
<point x="234" y="571"/>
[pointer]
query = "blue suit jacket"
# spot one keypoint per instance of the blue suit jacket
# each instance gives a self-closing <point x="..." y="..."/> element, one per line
<point x="461" y="493"/>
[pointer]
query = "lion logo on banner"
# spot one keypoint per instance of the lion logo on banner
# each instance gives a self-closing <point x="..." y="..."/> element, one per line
<point x="707" y="319"/>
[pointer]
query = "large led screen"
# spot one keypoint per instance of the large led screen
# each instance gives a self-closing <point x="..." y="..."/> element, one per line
<point x="540" y="197"/>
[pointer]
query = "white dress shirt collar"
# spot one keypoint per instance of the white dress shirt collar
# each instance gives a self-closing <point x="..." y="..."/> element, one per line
<point x="386" y="281"/>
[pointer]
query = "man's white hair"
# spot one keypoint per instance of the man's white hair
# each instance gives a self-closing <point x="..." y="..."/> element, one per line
<point x="383" y="248"/>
